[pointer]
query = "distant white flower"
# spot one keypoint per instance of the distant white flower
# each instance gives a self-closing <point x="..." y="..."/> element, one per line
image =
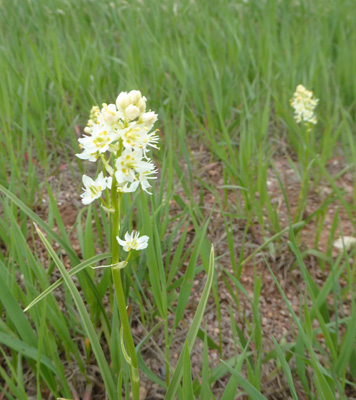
<point x="347" y="242"/>
<point x="175" y="9"/>
<point x="304" y="103"/>
<point x="131" y="163"/>
<point x="133" y="241"/>
<point x="93" y="189"/>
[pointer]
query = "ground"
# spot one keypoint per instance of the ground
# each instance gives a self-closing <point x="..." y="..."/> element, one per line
<point x="276" y="320"/>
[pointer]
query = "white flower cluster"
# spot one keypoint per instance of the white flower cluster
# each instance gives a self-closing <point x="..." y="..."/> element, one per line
<point x="304" y="103"/>
<point x="123" y="131"/>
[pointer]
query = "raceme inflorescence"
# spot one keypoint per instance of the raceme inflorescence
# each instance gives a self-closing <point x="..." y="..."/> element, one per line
<point x="119" y="135"/>
<point x="304" y="104"/>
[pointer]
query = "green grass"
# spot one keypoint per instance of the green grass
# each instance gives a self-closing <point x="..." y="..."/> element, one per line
<point x="220" y="75"/>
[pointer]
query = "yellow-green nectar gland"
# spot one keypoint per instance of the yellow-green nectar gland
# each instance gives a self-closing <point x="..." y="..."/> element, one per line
<point x="101" y="141"/>
<point x="132" y="135"/>
<point x="95" y="189"/>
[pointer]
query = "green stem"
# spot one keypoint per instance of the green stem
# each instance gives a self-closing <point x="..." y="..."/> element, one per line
<point x="120" y="296"/>
<point x="104" y="203"/>
<point x="131" y="351"/>
<point x="305" y="183"/>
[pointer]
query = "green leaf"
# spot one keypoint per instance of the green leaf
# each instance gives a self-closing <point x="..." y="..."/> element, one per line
<point x="348" y="344"/>
<point x="154" y="259"/>
<point x="187" y="375"/>
<point x="320" y="380"/>
<point x="100" y="357"/>
<point x="73" y="271"/>
<point x="250" y="390"/>
<point x="286" y="369"/>
<point x="65" y="245"/>
<point x="188" y="281"/>
<point x="16" y="315"/>
<point x="25" y="349"/>
<point x="205" y="392"/>
<point x="193" y="330"/>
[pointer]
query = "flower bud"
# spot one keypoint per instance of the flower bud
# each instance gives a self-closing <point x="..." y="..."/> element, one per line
<point x="122" y="101"/>
<point x="109" y="114"/>
<point x="142" y="105"/>
<point x="148" y="118"/>
<point x="134" y="96"/>
<point x="132" y="112"/>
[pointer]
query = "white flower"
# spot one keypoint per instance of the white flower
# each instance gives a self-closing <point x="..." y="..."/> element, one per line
<point x="347" y="242"/>
<point x="99" y="140"/>
<point x="93" y="189"/>
<point x="304" y="103"/>
<point x="87" y="155"/>
<point x="133" y="241"/>
<point x="141" y="179"/>
<point x="109" y="114"/>
<point x="126" y="188"/>
<point x="137" y="137"/>
<point x="129" y="164"/>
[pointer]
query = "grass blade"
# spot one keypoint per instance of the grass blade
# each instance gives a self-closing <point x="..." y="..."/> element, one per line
<point x="193" y="331"/>
<point x="286" y="369"/>
<point x="250" y="390"/>
<point x="187" y="375"/>
<point x="102" y="363"/>
<point x="73" y="271"/>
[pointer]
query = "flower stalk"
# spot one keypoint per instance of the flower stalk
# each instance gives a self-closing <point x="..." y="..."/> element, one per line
<point x="125" y="330"/>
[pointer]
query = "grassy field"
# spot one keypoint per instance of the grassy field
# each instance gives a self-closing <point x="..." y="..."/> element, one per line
<point x="271" y="312"/>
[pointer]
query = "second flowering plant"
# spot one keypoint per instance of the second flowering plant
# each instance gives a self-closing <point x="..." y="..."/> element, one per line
<point x="303" y="102"/>
<point x="120" y="136"/>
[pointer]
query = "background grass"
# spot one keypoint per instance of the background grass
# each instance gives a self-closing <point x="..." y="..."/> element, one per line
<point x="220" y="75"/>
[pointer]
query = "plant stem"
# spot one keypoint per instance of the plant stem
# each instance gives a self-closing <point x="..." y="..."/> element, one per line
<point x="305" y="183"/>
<point x="120" y="296"/>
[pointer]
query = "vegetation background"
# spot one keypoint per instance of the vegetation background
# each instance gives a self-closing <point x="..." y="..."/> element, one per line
<point x="281" y="319"/>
